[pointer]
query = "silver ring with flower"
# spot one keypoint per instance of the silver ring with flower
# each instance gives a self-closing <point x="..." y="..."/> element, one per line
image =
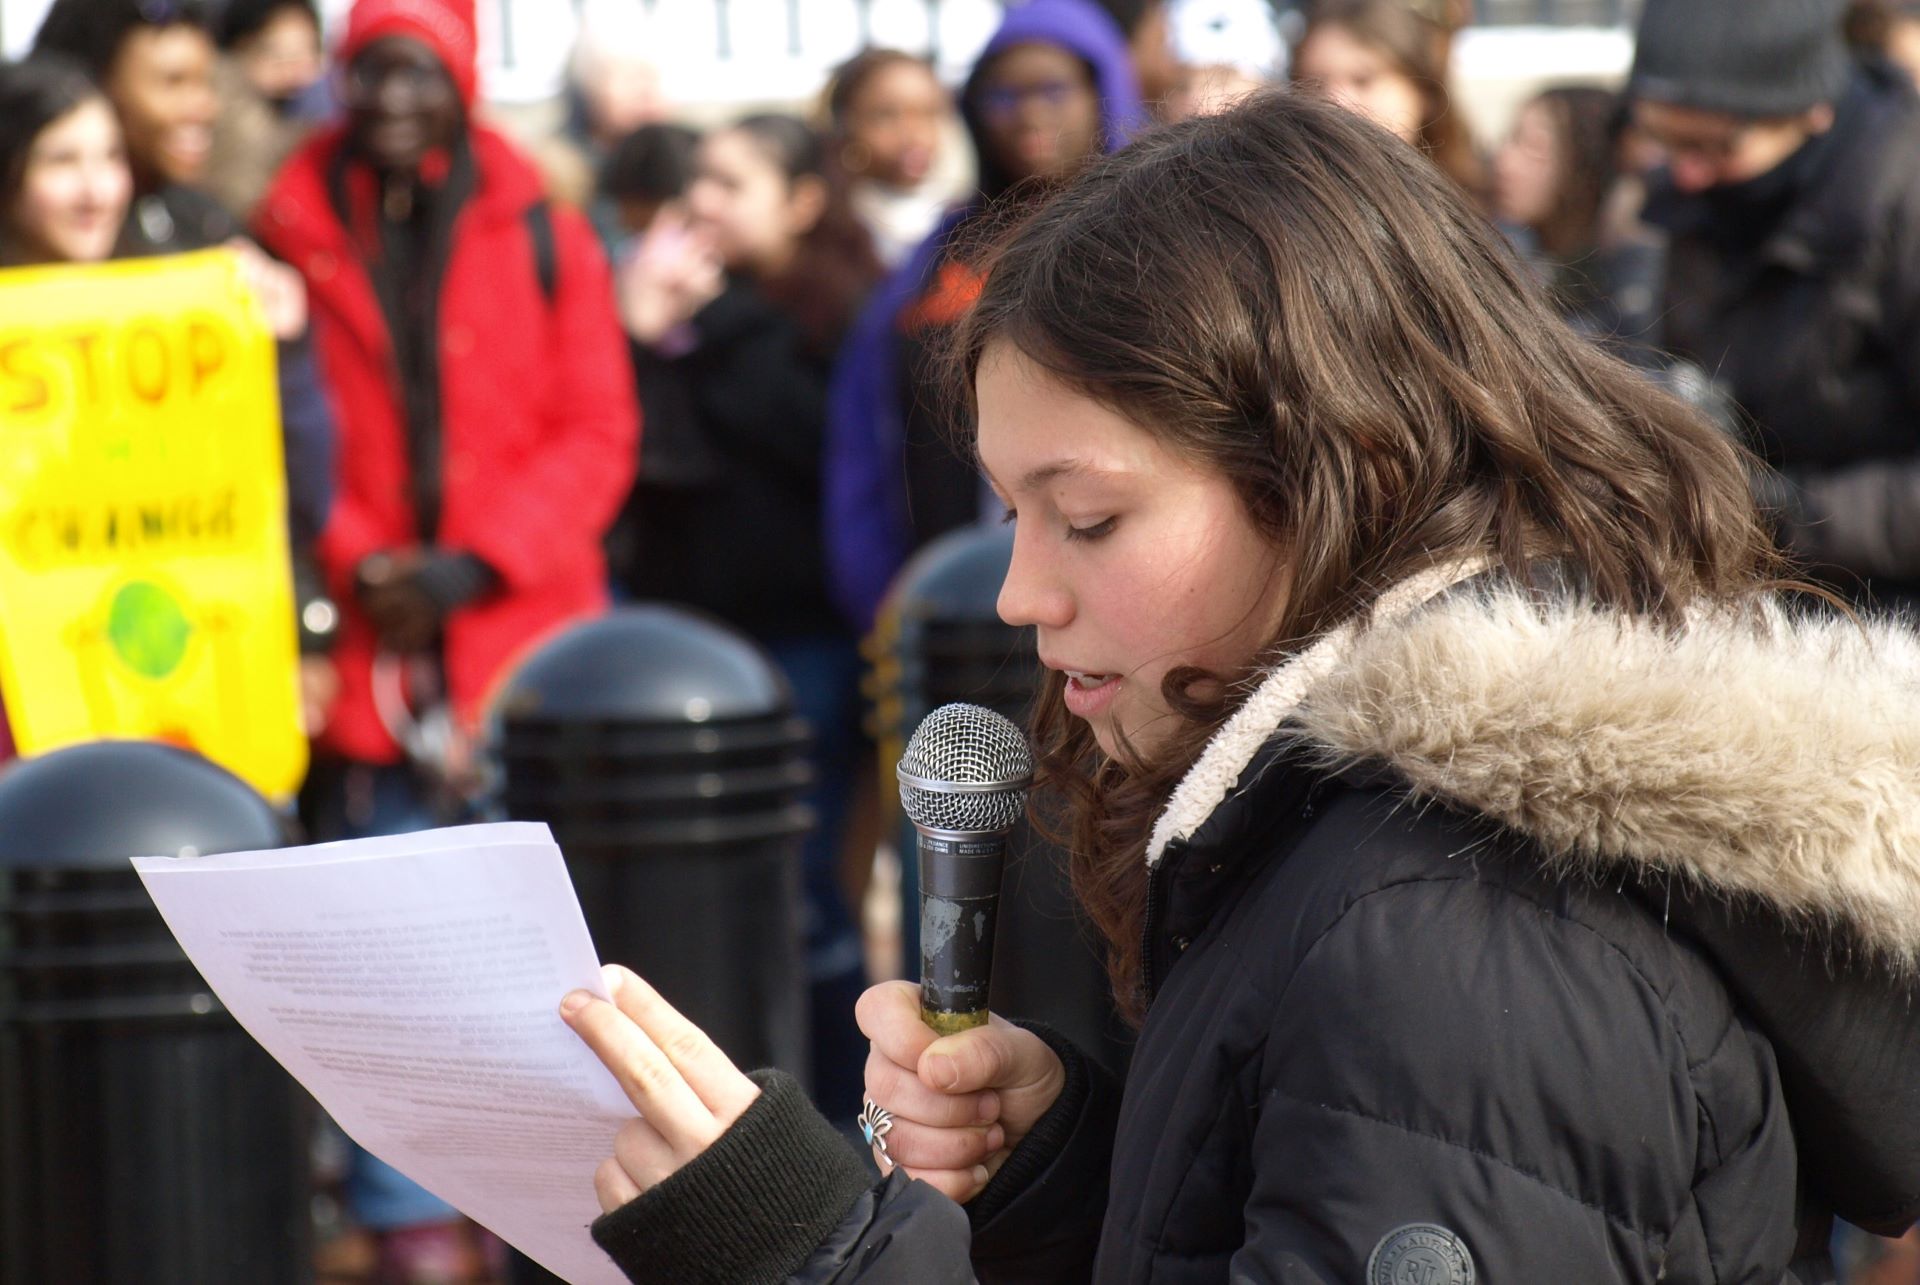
<point x="875" y="1122"/>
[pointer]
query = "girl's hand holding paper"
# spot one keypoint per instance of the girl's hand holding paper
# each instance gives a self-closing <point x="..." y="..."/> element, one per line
<point x="686" y="1090"/>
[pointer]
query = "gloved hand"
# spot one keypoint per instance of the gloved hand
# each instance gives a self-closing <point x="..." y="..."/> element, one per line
<point x="408" y="593"/>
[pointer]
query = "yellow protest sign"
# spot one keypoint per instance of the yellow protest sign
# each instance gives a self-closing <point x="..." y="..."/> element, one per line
<point x="145" y="589"/>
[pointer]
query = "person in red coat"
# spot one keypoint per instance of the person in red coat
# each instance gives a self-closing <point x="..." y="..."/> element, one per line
<point x="488" y="434"/>
<point x="468" y="332"/>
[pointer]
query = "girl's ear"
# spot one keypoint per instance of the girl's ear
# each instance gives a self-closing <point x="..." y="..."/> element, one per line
<point x="806" y="203"/>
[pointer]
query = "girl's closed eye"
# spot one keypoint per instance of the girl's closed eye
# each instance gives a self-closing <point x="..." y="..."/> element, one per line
<point x="1092" y="531"/>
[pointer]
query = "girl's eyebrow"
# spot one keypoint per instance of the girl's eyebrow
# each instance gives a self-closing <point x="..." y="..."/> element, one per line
<point x="1070" y="468"/>
<point x="1038" y="478"/>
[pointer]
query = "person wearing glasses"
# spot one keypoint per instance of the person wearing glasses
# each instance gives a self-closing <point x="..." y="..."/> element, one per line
<point x="1791" y="197"/>
<point x="1053" y="89"/>
<point x="488" y="436"/>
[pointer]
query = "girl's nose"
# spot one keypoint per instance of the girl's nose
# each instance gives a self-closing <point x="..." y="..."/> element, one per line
<point x="1033" y="593"/>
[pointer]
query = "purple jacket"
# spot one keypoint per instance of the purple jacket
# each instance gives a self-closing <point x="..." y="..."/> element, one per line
<point x="867" y="534"/>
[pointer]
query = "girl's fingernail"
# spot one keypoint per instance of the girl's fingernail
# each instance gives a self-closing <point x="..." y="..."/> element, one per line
<point x="989" y="1107"/>
<point x="944" y="1070"/>
<point x="996" y="1138"/>
<point x="574" y="1002"/>
<point x="980" y="1174"/>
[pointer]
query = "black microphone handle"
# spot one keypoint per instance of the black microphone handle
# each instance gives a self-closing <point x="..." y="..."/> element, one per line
<point x="959" y="901"/>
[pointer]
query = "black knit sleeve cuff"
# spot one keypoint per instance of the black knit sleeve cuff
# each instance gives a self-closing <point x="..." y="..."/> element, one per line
<point x="1046" y="1140"/>
<point x="751" y="1208"/>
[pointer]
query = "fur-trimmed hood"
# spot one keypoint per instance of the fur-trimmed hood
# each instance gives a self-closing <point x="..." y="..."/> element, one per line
<point x="1763" y="755"/>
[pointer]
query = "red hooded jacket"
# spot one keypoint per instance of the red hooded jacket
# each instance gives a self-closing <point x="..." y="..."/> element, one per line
<point x="539" y="423"/>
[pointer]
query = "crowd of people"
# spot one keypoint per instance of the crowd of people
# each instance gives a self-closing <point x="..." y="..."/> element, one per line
<point x="718" y="372"/>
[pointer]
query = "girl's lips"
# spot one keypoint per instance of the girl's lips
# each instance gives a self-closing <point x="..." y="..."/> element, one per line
<point x="1090" y="695"/>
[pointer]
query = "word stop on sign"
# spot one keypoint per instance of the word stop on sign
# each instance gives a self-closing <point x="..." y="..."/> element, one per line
<point x="151" y="362"/>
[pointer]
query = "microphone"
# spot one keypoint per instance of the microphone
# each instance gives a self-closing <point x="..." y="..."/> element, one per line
<point x="963" y="784"/>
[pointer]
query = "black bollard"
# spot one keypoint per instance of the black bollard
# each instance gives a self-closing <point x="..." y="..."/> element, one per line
<point x="661" y="748"/>
<point x="942" y="642"/>
<point x="143" y="1134"/>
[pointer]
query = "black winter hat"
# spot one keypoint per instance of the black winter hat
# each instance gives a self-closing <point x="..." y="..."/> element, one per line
<point x="1752" y="58"/>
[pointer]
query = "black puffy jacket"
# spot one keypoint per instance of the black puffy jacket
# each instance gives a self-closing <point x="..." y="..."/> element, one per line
<point x="1499" y="941"/>
<point x="1800" y="293"/>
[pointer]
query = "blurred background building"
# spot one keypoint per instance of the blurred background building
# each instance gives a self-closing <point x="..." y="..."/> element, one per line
<point x="711" y="58"/>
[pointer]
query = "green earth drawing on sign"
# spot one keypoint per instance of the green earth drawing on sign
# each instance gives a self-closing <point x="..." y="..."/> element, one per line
<point x="148" y="629"/>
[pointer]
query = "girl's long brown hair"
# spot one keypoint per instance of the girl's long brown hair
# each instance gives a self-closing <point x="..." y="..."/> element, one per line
<point x="1285" y="294"/>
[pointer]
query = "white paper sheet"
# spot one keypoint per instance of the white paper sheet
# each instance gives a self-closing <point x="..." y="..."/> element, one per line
<point x="412" y="984"/>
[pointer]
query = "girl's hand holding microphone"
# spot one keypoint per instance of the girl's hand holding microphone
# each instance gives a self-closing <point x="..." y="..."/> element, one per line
<point x="958" y="1104"/>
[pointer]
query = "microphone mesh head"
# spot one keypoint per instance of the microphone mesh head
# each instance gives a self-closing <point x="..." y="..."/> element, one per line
<point x="965" y="745"/>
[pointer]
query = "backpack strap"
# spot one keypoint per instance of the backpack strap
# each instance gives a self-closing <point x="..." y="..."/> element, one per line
<point x="546" y="266"/>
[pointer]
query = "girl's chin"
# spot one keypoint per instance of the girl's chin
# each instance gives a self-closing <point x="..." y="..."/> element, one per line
<point x="1143" y="742"/>
<point x="84" y="247"/>
<point x="1106" y="734"/>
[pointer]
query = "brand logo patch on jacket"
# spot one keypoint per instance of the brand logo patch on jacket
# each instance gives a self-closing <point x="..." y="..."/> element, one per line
<point x="1420" y="1254"/>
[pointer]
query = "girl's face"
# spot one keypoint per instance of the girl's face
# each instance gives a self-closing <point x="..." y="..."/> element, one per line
<point x="1361" y="79"/>
<point x="1039" y="112"/>
<point x="75" y="189"/>
<point x="162" y="85"/>
<point x="1526" y="169"/>
<point x="743" y="200"/>
<point x="893" y="124"/>
<point x="1128" y="559"/>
